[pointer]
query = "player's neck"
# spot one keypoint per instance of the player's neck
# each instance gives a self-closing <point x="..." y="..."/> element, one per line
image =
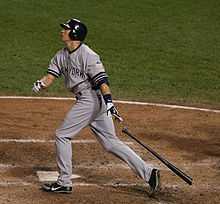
<point x="73" y="45"/>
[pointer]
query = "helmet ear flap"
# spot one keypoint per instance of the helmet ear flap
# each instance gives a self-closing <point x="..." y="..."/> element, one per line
<point x="72" y="34"/>
<point x="78" y="30"/>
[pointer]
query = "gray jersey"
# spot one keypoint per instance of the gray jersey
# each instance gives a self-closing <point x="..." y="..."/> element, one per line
<point x="81" y="67"/>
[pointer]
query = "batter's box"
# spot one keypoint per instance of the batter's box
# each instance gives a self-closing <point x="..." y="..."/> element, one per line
<point x="50" y="176"/>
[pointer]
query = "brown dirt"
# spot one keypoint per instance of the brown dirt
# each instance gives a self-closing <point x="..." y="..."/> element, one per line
<point x="189" y="139"/>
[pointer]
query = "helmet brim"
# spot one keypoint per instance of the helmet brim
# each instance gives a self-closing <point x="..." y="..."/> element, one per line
<point x="65" y="26"/>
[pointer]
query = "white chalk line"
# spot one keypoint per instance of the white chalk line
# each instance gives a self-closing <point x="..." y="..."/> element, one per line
<point x="14" y="183"/>
<point x="85" y="166"/>
<point x="116" y="184"/>
<point x="84" y="141"/>
<point x="5" y="167"/>
<point x="118" y="101"/>
<point x="52" y="141"/>
<point x="80" y="166"/>
<point x="75" y="184"/>
<point x="112" y="165"/>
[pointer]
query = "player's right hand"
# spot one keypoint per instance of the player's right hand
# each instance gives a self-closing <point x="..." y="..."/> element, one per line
<point x="112" y="111"/>
<point x="38" y="85"/>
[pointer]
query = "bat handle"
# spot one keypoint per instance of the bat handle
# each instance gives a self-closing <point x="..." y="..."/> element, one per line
<point x="118" y="118"/>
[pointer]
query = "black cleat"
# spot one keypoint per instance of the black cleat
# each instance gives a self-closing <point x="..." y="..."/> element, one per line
<point x="154" y="181"/>
<point x="56" y="188"/>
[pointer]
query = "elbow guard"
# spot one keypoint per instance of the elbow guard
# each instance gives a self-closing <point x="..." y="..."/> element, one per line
<point x="99" y="79"/>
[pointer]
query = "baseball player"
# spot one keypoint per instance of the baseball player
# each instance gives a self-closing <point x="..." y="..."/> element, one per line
<point x="85" y="76"/>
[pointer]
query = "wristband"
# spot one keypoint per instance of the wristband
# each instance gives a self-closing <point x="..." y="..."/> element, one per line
<point x="107" y="98"/>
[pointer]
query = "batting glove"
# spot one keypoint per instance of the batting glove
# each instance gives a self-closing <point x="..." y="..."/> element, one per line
<point x="112" y="111"/>
<point x="38" y="85"/>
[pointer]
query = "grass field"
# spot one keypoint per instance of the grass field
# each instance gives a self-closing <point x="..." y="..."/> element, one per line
<point x="160" y="51"/>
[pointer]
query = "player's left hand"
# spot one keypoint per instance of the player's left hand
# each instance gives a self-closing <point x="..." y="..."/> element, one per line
<point x="112" y="111"/>
<point x="38" y="85"/>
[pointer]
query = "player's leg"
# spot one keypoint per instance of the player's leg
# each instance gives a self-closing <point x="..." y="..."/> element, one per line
<point x="103" y="128"/>
<point x="76" y="119"/>
<point x="72" y="124"/>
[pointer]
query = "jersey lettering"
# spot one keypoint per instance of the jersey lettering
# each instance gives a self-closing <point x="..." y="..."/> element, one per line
<point x="76" y="67"/>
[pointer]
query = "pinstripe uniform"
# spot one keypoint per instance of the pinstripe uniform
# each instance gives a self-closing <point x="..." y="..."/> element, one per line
<point x="83" y="71"/>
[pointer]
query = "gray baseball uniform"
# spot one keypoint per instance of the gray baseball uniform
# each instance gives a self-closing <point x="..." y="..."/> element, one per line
<point x="81" y="69"/>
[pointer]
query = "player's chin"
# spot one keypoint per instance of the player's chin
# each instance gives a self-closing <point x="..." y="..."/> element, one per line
<point x="62" y="38"/>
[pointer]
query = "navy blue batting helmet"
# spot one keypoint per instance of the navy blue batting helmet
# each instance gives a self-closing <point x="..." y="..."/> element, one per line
<point x="78" y="30"/>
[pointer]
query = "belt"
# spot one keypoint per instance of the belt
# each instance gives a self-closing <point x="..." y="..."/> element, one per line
<point x="80" y="87"/>
<point x="78" y="94"/>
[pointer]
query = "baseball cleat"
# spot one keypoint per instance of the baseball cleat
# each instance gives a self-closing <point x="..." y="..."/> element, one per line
<point x="56" y="188"/>
<point x="154" y="181"/>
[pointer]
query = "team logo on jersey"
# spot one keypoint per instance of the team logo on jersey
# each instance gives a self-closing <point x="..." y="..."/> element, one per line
<point x="77" y="73"/>
<point x="99" y="65"/>
<point x="74" y="72"/>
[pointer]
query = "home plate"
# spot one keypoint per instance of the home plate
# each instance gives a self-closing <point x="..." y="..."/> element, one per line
<point x="49" y="176"/>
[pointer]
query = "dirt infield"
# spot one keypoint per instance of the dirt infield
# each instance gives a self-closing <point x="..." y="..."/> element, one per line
<point x="189" y="139"/>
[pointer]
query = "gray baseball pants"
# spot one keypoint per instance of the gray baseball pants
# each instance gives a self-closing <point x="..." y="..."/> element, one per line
<point x="90" y="110"/>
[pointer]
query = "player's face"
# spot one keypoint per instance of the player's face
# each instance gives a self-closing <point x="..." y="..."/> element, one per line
<point x="64" y="34"/>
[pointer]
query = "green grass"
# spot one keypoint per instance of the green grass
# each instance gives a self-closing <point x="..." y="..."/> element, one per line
<point x="153" y="50"/>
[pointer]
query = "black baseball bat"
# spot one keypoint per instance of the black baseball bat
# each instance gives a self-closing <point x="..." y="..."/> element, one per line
<point x="173" y="168"/>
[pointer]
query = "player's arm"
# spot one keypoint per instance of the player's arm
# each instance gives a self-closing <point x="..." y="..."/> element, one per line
<point x="99" y="80"/>
<point x="111" y="110"/>
<point x="48" y="80"/>
<point x="43" y="83"/>
<point x="53" y="72"/>
<point x="105" y="89"/>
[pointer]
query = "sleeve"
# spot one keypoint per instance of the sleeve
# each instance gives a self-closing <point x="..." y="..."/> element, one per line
<point x="96" y="71"/>
<point x="54" y="67"/>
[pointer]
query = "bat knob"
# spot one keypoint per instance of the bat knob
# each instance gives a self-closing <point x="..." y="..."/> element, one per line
<point x="125" y="129"/>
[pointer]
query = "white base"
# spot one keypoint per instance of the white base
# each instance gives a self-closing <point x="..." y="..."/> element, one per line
<point x="49" y="176"/>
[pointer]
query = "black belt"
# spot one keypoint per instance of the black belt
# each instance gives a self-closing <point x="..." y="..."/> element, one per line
<point x="78" y="94"/>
